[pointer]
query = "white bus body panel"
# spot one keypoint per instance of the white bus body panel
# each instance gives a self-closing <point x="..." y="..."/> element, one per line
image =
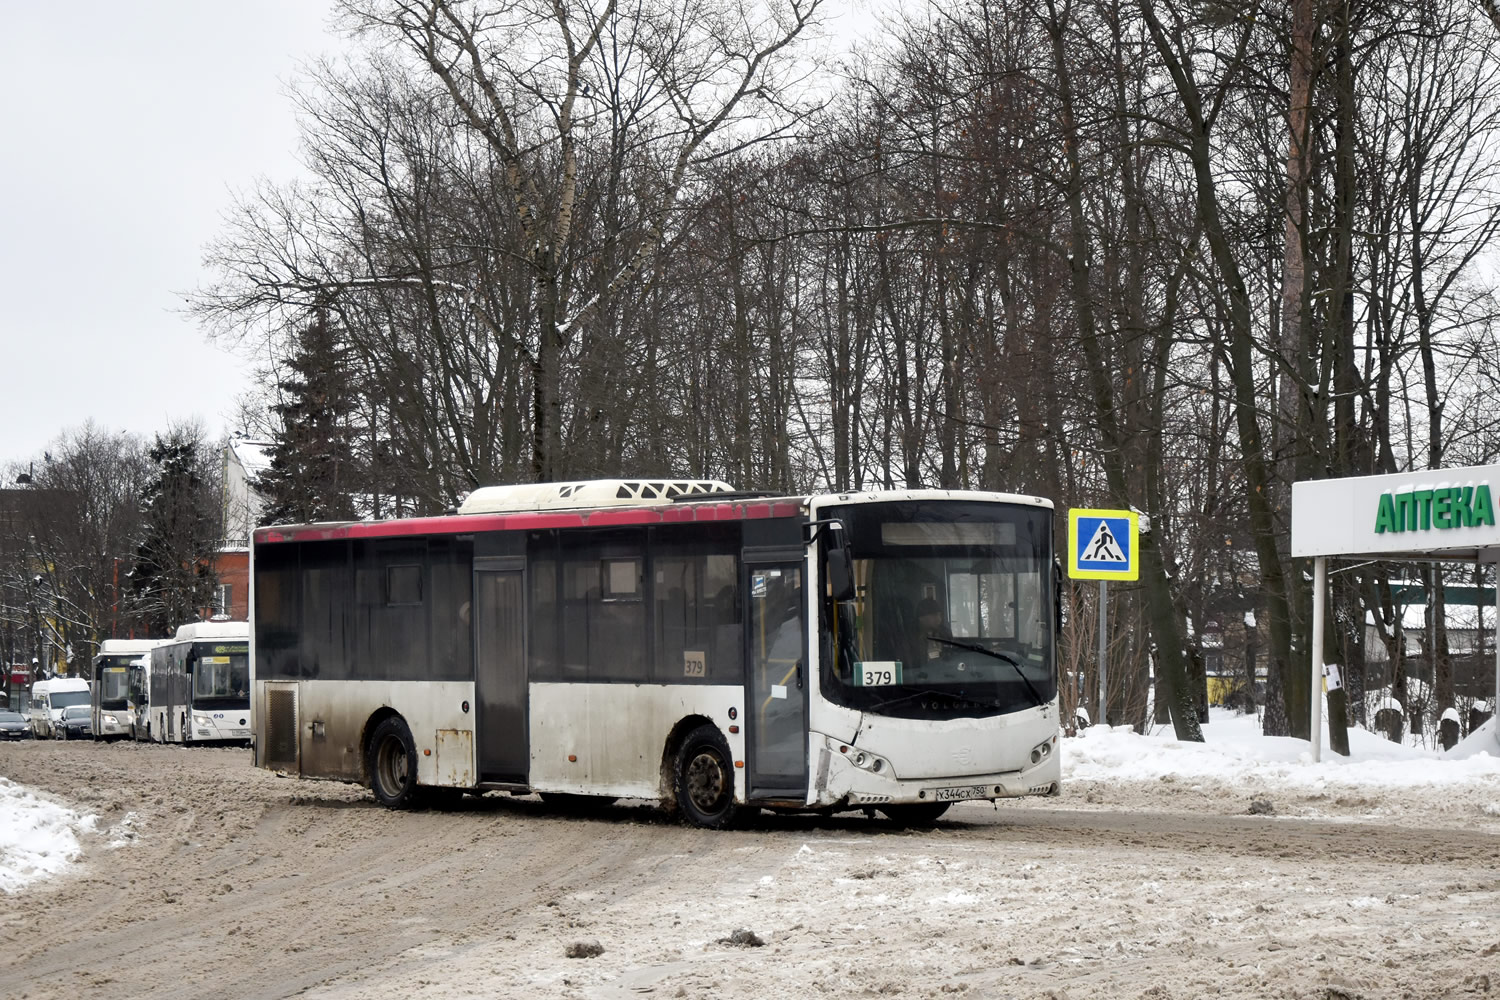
<point x="332" y="715"/>
<point x="208" y="725"/>
<point x="113" y="722"/>
<point x="921" y="756"/>
<point x="922" y="749"/>
<point x="618" y="733"/>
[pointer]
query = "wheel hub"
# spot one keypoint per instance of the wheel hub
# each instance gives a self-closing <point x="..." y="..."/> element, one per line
<point x="706" y="781"/>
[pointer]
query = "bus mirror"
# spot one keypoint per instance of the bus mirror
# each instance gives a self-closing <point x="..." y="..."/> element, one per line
<point x="1057" y="589"/>
<point x="190" y="662"/>
<point x="840" y="583"/>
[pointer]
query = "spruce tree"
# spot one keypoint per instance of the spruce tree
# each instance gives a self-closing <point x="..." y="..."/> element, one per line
<point x="313" y="471"/>
<point x="173" y="578"/>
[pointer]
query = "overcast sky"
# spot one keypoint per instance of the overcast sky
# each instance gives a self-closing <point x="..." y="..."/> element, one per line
<point x="125" y="128"/>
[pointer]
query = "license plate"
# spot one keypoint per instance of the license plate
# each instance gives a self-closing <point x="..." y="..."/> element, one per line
<point x="960" y="793"/>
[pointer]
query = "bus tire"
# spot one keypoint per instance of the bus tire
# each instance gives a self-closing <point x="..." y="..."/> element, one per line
<point x="705" y="779"/>
<point x="392" y="760"/>
<point x="915" y="813"/>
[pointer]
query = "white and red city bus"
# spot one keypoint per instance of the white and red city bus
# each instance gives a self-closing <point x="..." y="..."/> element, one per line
<point x="889" y="651"/>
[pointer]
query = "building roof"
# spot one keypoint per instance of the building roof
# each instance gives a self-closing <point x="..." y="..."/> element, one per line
<point x="254" y="456"/>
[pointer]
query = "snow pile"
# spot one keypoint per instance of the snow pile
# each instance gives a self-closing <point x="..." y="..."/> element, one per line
<point x="37" y="838"/>
<point x="1234" y="749"/>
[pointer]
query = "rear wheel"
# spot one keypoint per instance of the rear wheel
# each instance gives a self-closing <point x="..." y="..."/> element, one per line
<point x="705" y="779"/>
<point x="916" y="813"/>
<point x="392" y="759"/>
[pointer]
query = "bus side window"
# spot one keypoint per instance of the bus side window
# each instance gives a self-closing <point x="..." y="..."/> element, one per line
<point x="696" y="614"/>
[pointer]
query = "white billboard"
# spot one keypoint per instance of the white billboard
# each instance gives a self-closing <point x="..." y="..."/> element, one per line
<point x="1447" y="513"/>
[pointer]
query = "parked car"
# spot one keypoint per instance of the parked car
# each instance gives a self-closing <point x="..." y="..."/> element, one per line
<point x="76" y="722"/>
<point x="14" y="726"/>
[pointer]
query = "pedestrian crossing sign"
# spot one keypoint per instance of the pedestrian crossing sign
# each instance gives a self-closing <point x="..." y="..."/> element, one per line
<point x="1102" y="544"/>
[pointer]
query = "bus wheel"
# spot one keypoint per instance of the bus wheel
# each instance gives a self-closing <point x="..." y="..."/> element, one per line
<point x="915" y="813"/>
<point x="705" y="779"/>
<point x="392" y="759"/>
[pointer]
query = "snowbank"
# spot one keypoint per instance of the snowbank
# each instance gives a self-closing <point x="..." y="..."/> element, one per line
<point x="1234" y="749"/>
<point x="37" y="838"/>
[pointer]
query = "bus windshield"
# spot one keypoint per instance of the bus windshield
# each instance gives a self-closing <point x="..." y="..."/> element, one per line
<point x="140" y="682"/>
<point x="112" y="677"/>
<point x="952" y="613"/>
<point x="221" y="676"/>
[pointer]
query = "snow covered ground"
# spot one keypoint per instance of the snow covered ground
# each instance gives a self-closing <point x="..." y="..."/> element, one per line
<point x="38" y="837"/>
<point x="1234" y="868"/>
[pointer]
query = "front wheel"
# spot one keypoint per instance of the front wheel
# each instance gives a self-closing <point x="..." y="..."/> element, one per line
<point x="392" y="759"/>
<point x="705" y="779"/>
<point x="916" y="813"/>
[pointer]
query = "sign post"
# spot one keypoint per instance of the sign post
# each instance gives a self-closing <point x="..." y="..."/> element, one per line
<point x="1102" y="546"/>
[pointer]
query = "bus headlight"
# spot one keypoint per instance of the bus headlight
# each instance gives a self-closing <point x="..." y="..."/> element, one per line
<point x="111" y="720"/>
<point x="867" y="761"/>
<point x="202" y="720"/>
<point x="1041" y="752"/>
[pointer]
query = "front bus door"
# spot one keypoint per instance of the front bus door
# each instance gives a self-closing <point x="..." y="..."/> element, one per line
<point x="776" y="706"/>
<point x="500" y="670"/>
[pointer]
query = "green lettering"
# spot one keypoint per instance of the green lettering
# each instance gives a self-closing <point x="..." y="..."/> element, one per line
<point x="1385" y="517"/>
<point x="1441" y="511"/>
<point x="1484" y="510"/>
<point x="1466" y="506"/>
<point x="1422" y="500"/>
<point x="1407" y="510"/>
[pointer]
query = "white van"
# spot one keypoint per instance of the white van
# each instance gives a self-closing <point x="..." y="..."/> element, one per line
<point x="49" y="698"/>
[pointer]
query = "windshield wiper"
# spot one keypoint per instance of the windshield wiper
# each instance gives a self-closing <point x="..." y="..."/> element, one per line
<point x="998" y="654"/>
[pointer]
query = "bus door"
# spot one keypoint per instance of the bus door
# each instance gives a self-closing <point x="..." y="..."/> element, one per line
<point x="500" y="669"/>
<point x="776" y="695"/>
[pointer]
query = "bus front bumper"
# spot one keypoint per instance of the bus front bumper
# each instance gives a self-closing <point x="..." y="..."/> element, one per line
<point x="114" y="724"/>
<point x="855" y="779"/>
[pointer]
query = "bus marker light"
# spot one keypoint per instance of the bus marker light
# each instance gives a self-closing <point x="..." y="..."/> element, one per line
<point x="426" y="753"/>
<point x="734" y="713"/>
<point x="572" y="758"/>
<point x="739" y="763"/>
<point x="843" y="749"/>
<point x="734" y="729"/>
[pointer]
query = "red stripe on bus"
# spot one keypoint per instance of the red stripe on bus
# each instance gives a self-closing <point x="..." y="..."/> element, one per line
<point x="464" y="524"/>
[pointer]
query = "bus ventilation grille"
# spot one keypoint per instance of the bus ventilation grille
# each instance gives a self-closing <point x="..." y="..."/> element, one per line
<point x="281" y="729"/>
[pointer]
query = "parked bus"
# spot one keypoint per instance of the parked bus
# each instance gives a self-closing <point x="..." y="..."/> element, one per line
<point x="49" y="698"/>
<point x="112" y="713"/>
<point x="873" y="651"/>
<point x="200" y="685"/>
